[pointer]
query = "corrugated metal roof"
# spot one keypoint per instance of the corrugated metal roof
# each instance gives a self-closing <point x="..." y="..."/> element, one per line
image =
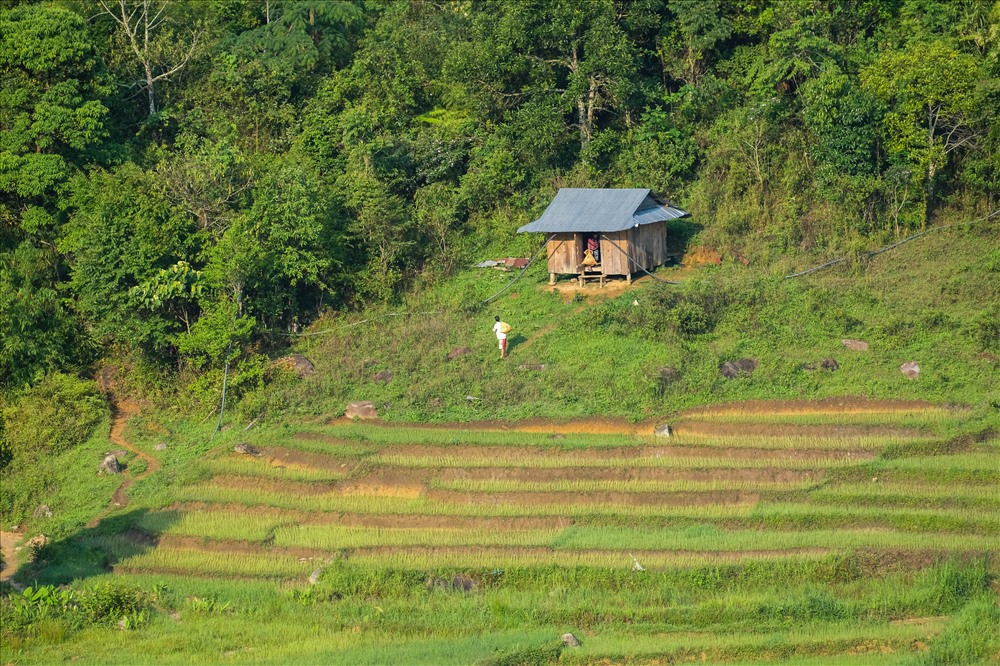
<point x="594" y="210"/>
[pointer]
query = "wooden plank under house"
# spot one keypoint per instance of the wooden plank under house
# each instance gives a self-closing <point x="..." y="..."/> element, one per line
<point x="629" y="227"/>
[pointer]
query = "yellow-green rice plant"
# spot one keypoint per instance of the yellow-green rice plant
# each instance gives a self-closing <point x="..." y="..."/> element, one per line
<point x="614" y="485"/>
<point x="333" y="537"/>
<point x="207" y="492"/>
<point x="214" y="563"/>
<point x="920" y="417"/>
<point x="839" y="442"/>
<point x="912" y="494"/>
<point x="659" y="457"/>
<point x="380" y="434"/>
<point x="491" y="558"/>
<point x="823" y="639"/>
<point x="711" y="538"/>
<point x="225" y="525"/>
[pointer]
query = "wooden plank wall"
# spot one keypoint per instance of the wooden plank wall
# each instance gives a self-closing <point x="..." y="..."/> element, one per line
<point x="565" y="251"/>
<point x="647" y="245"/>
<point x="650" y="246"/>
<point x="613" y="260"/>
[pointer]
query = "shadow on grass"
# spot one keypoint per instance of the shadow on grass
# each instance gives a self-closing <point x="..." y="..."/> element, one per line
<point x="93" y="551"/>
<point x="513" y="341"/>
<point x="679" y="236"/>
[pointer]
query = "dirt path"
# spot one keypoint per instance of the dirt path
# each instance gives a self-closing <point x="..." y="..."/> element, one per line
<point x="8" y="542"/>
<point x="122" y="412"/>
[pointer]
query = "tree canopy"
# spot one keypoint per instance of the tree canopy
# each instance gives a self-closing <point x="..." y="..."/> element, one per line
<point x="181" y="178"/>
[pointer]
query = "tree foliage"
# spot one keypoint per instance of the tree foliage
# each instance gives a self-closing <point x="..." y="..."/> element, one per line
<point x="197" y="195"/>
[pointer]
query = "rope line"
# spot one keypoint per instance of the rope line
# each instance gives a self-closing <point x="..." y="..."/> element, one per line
<point x="519" y="275"/>
<point x="893" y="246"/>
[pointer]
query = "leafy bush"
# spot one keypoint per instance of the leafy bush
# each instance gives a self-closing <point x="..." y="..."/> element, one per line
<point x="55" y="415"/>
<point x="106" y="604"/>
<point x="970" y="638"/>
<point x="985" y="328"/>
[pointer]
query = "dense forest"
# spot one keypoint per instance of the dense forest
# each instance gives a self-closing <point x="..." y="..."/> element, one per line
<point x="185" y="183"/>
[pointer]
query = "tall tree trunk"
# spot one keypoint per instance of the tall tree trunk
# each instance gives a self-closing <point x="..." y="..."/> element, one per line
<point x="149" y="88"/>
<point x="931" y="167"/>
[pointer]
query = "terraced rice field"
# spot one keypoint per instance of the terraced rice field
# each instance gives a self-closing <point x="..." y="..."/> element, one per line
<point x="754" y="533"/>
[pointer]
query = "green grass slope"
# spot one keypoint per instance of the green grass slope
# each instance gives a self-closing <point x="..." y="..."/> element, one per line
<point x="933" y="301"/>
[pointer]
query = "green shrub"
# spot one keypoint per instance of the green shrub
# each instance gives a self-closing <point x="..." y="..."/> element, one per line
<point x="53" y="416"/>
<point x="970" y="638"/>
<point x="536" y="655"/>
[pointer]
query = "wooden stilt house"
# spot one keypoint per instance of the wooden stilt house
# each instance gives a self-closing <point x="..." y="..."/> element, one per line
<point x="625" y="231"/>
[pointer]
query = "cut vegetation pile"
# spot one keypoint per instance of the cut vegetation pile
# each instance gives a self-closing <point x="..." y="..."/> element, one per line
<point x="779" y="532"/>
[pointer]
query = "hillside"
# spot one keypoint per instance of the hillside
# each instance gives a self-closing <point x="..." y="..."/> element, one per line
<point x="579" y="352"/>
<point x="789" y="524"/>
<point x="220" y="239"/>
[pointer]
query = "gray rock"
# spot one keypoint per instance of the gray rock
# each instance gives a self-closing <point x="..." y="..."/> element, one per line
<point x="741" y="367"/>
<point x="458" y="352"/>
<point x="570" y="640"/>
<point x="361" y="409"/>
<point x="43" y="511"/>
<point x="537" y="367"/>
<point x="457" y="583"/>
<point x="296" y="363"/>
<point x="664" y="430"/>
<point x="246" y="449"/>
<point x="855" y="345"/>
<point x="383" y="377"/>
<point x="911" y="369"/>
<point x="109" y="465"/>
<point x="463" y="583"/>
<point x="829" y="364"/>
<point x="162" y="446"/>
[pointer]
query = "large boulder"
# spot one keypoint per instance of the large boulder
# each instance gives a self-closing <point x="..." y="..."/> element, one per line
<point x="361" y="409"/>
<point x="570" y="640"/>
<point x="741" y="367"/>
<point x="855" y="345"/>
<point x="911" y="369"/>
<point x="109" y="465"/>
<point x="296" y="363"/>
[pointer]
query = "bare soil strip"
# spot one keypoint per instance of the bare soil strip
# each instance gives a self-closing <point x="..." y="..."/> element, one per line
<point x="840" y="405"/>
<point x="268" y="485"/>
<point x="715" y="497"/>
<point x="307" y="436"/>
<point x="716" y="429"/>
<point x="295" y="459"/>
<point x="8" y="546"/>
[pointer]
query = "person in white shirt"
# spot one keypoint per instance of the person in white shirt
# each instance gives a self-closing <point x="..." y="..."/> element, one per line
<point x="501" y="337"/>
